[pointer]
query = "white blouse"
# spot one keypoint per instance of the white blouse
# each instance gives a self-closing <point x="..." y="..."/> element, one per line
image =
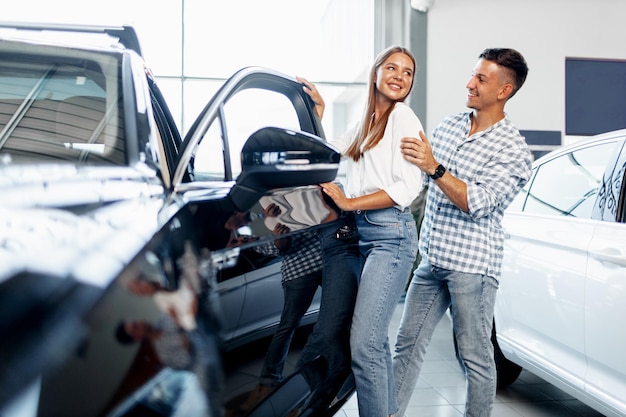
<point x="383" y="167"/>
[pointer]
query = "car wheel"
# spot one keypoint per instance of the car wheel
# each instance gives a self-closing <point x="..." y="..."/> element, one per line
<point x="507" y="371"/>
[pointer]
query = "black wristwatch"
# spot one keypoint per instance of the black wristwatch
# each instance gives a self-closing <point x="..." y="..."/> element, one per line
<point x="438" y="172"/>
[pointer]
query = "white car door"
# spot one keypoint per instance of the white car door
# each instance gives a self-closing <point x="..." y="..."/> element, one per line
<point x="541" y="306"/>
<point x="542" y="298"/>
<point x="605" y="312"/>
<point x="605" y="302"/>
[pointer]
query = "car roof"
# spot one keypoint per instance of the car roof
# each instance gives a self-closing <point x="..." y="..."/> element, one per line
<point x="601" y="137"/>
<point x="120" y="36"/>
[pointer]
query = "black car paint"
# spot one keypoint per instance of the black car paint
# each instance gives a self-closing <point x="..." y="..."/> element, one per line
<point x="58" y="325"/>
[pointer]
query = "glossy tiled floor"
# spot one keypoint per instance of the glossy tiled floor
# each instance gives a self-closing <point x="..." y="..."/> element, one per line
<point x="440" y="391"/>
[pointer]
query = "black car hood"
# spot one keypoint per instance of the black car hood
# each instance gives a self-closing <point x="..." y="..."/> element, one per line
<point x="52" y="216"/>
<point x="67" y="185"/>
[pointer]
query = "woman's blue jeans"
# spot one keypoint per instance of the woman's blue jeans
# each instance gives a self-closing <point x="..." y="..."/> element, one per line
<point x="388" y="245"/>
<point x="471" y="298"/>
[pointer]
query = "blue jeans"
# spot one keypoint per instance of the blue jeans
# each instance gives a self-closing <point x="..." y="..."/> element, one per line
<point x="340" y="276"/>
<point x="471" y="298"/>
<point x="388" y="245"/>
<point x="299" y="293"/>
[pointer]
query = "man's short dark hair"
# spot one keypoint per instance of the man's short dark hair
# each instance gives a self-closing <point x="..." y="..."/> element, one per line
<point x="510" y="59"/>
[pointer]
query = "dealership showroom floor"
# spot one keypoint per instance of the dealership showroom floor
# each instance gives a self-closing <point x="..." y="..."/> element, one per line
<point x="440" y="391"/>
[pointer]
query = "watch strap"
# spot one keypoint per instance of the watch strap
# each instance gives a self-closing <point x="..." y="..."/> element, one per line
<point x="439" y="171"/>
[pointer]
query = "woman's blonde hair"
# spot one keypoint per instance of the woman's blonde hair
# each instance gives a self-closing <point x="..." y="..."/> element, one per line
<point x="367" y="138"/>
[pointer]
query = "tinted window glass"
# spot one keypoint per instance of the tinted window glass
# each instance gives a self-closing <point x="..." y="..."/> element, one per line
<point x="568" y="185"/>
<point x="60" y="108"/>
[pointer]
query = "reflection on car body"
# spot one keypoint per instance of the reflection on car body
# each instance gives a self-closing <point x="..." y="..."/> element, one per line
<point x="258" y="311"/>
<point x="564" y="279"/>
<point x="111" y="221"/>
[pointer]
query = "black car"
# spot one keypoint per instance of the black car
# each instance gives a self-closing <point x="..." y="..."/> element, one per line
<point x="111" y="221"/>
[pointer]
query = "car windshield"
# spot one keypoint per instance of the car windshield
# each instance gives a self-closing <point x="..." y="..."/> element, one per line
<point x="60" y="108"/>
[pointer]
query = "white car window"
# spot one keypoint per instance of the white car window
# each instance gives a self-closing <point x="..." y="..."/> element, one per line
<point x="568" y="185"/>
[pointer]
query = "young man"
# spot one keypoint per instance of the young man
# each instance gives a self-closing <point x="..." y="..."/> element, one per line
<point x="477" y="163"/>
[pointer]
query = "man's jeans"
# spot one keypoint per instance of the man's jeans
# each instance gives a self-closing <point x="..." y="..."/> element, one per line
<point x="299" y="293"/>
<point x="388" y="245"/>
<point x="472" y="298"/>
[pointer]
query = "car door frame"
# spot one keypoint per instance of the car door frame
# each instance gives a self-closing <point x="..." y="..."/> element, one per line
<point x="249" y="77"/>
<point x="310" y="129"/>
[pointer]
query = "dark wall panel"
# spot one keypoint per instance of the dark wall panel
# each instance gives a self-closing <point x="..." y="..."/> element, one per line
<point x="595" y="96"/>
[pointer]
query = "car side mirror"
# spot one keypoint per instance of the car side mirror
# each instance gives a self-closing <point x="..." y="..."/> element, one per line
<point x="274" y="157"/>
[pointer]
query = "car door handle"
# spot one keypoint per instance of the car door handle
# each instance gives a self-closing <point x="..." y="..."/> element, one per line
<point x="611" y="255"/>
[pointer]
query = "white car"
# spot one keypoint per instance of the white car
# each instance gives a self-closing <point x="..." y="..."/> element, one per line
<point x="562" y="295"/>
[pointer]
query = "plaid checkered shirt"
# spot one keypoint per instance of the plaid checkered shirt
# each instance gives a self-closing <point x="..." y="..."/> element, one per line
<point x="302" y="258"/>
<point x="495" y="164"/>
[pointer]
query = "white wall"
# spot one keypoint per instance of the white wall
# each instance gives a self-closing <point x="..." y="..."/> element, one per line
<point x="544" y="31"/>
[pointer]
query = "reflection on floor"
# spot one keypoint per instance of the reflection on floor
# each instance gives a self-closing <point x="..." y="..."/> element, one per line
<point x="243" y="366"/>
<point x="440" y="391"/>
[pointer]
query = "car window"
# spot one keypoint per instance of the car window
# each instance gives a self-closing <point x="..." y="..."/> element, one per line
<point x="568" y="185"/>
<point x="209" y="158"/>
<point x="611" y="205"/>
<point x="245" y="113"/>
<point x="60" y="108"/>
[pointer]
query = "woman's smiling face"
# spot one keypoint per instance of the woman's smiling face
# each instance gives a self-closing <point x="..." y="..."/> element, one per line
<point x="394" y="77"/>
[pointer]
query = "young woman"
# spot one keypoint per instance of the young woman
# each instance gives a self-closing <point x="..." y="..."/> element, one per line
<point x="380" y="186"/>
